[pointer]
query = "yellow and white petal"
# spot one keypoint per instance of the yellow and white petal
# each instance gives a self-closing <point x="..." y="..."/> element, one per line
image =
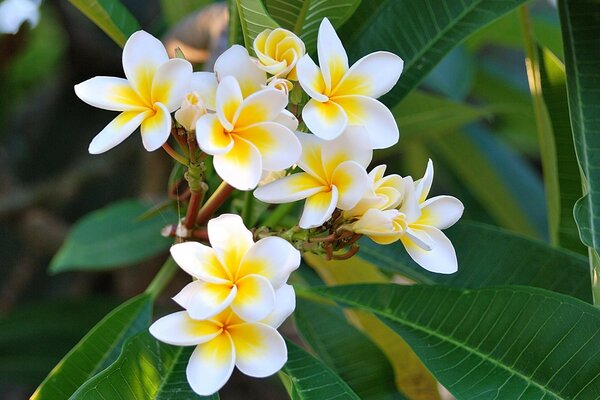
<point x="211" y="136"/>
<point x="285" y="304"/>
<point x="310" y="78"/>
<point x="117" y="130"/>
<point x="440" y="259"/>
<point x="208" y="300"/>
<point x="272" y="258"/>
<point x="379" y="226"/>
<point x="142" y="55"/>
<point x="332" y="56"/>
<point x="278" y="146"/>
<point x="255" y="298"/>
<point x="171" y="83"/>
<point x="260" y="350"/>
<point x="441" y="211"/>
<point x="156" y="128"/>
<point x="205" y="84"/>
<point x="290" y="188"/>
<point x="373" y="75"/>
<point x="236" y="62"/>
<point x="423" y="185"/>
<point x="288" y="120"/>
<point x="211" y="365"/>
<point x="179" y="329"/>
<point x="110" y="93"/>
<point x="374" y="116"/>
<point x="318" y="208"/>
<point x="352" y="145"/>
<point x="230" y="239"/>
<point x="228" y="100"/>
<point x="200" y="261"/>
<point x="326" y="120"/>
<point x="351" y="181"/>
<point x="261" y="106"/>
<point x="410" y="202"/>
<point x="311" y="160"/>
<point x="241" y="166"/>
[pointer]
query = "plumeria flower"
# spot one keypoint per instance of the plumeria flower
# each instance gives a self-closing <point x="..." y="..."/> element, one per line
<point x="278" y="51"/>
<point x="384" y="193"/>
<point x="342" y="95"/>
<point x="235" y="272"/>
<point x="192" y="108"/>
<point x="226" y="340"/>
<point x="244" y="137"/>
<point x="334" y="176"/>
<point x="154" y="88"/>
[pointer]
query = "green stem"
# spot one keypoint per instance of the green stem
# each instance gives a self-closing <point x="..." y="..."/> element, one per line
<point x="248" y="208"/>
<point x="162" y="278"/>
<point x="278" y="214"/>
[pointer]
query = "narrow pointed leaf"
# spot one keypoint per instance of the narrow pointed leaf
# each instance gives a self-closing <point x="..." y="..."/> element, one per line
<point x="254" y="19"/>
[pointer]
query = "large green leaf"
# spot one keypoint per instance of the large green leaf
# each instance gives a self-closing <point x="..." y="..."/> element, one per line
<point x="580" y="22"/>
<point x="110" y="16"/>
<point x="498" y="343"/>
<point x="303" y="17"/>
<point x="489" y="256"/>
<point x="345" y="349"/>
<point x="254" y="19"/>
<point x="97" y="349"/>
<point x="146" y="369"/>
<point x="421" y="32"/>
<point x="310" y="379"/>
<point x="113" y="237"/>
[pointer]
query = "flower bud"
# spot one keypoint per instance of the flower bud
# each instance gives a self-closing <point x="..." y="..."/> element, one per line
<point x="191" y="109"/>
<point x="281" y="84"/>
<point x="278" y="51"/>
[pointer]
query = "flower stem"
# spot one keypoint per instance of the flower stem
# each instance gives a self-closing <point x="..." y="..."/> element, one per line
<point x="176" y="156"/>
<point x="214" y="202"/>
<point x="162" y="278"/>
<point x="192" y="211"/>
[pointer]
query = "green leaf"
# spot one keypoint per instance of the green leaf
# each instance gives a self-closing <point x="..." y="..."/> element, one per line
<point x="503" y="343"/>
<point x="175" y="11"/>
<point x="110" y="16"/>
<point x="310" y="379"/>
<point x="98" y="349"/>
<point x="580" y="22"/>
<point x="146" y="369"/>
<point x="254" y="19"/>
<point x="303" y="17"/>
<point x="113" y="237"/>
<point x="489" y="256"/>
<point x="345" y="349"/>
<point x="421" y="32"/>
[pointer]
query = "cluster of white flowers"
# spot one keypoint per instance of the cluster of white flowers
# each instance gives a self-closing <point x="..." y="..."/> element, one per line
<point x="241" y="115"/>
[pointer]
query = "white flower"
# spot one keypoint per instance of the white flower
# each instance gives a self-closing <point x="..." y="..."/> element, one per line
<point x="192" y="108"/>
<point x="13" y="13"/>
<point x="384" y="193"/>
<point x="342" y="96"/>
<point x="225" y="340"/>
<point x="235" y="272"/>
<point x="155" y="87"/>
<point x="278" y="51"/>
<point x="334" y="176"/>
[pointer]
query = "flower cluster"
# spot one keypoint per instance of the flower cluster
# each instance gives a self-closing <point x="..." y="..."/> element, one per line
<point x="290" y="130"/>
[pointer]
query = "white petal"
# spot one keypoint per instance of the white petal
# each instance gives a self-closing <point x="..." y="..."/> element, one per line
<point x="285" y="304"/>
<point x="157" y="128"/>
<point x="310" y="78"/>
<point x="117" y="130"/>
<point x="351" y="181"/>
<point x="264" y="105"/>
<point x="441" y="211"/>
<point x="311" y="160"/>
<point x="208" y="300"/>
<point x="423" y="185"/>
<point x="211" y="136"/>
<point x="351" y="145"/>
<point x="326" y="120"/>
<point x="180" y="330"/>
<point x="290" y="188"/>
<point x="228" y="99"/>
<point x="373" y="75"/>
<point x="278" y="146"/>
<point x="318" y="208"/>
<point x="142" y="55"/>
<point x="288" y="120"/>
<point x="199" y="261"/>
<point x="205" y="84"/>
<point x="332" y="56"/>
<point x="255" y="298"/>
<point x="374" y="116"/>
<point x="13" y="13"/>
<point x="109" y="93"/>
<point x="171" y="83"/>
<point x="273" y="258"/>
<point x="410" y="202"/>
<point x="230" y="239"/>
<point x="260" y="350"/>
<point x="236" y="62"/>
<point x="211" y="365"/>
<point x="241" y="167"/>
<point x="379" y="226"/>
<point x="440" y="259"/>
